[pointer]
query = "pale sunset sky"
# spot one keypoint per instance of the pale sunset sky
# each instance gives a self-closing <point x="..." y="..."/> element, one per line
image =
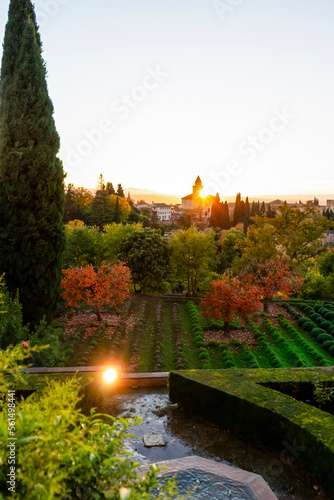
<point x="153" y="93"/>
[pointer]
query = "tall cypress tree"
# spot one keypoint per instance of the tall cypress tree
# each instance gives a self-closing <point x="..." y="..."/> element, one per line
<point x="247" y="215"/>
<point x="31" y="175"/>
<point x="117" y="216"/>
<point x="226" y="221"/>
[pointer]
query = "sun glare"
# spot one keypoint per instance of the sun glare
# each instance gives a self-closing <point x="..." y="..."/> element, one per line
<point x="110" y="375"/>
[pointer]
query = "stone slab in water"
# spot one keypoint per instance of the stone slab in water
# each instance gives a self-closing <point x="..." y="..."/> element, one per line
<point x="152" y="439"/>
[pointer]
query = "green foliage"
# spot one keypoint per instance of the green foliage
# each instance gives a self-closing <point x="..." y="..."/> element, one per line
<point x="12" y="332"/>
<point x="31" y="175"/>
<point x="198" y="335"/>
<point x="296" y="232"/>
<point x="83" y="247"/>
<point x="231" y="246"/>
<point x="113" y="237"/>
<point x="326" y="263"/>
<point x="146" y="254"/>
<point x="49" y="335"/>
<point x="191" y="254"/>
<point x="102" y="212"/>
<point x="322" y="391"/>
<point x="73" y="455"/>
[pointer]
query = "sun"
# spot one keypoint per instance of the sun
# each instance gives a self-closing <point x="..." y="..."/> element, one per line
<point x="110" y="375"/>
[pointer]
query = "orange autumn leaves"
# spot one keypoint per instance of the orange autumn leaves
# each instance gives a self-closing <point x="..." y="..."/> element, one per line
<point x="109" y="284"/>
<point x="247" y="293"/>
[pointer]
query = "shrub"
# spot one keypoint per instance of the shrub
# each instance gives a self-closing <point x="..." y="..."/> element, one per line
<point x="316" y="317"/>
<point x="12" y="330"/>
<point x="56" y="354"/>
<point x="308" y="325"/>
<point x="329" y="316"/>
<point x="317" y="331"/>
<point x="331" y="350"/>
<point x="78" y="456"/>
<point x="326" y="325"/>
<point x="328" y="343"/>
<point x="213" y="344"/>
<point x="323" y="337"/>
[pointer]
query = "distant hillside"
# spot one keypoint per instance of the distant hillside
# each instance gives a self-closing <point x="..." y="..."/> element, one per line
<point x="149" y="196"/>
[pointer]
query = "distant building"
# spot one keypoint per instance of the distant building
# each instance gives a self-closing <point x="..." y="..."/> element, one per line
<point x="142" y="206"/>
<point x="329" y="237"/>
<point x="195" y="201"/>
<point x="163" y="211"/>
<point x="330" y="204"/>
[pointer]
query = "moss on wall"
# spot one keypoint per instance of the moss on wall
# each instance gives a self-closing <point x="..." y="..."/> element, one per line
<point x="239" y="401"/>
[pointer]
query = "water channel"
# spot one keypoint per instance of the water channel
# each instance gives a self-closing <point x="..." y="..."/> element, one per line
<point x="186" y="435"/>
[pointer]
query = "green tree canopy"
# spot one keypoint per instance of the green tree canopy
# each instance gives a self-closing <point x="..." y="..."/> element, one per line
<point x="294" y="231"/>
<point x="83" y="247"/>
<point x="31" y="174"/>
<point x="146" y="253"/>
<point x="113" y="237"/>
<point x="191" y="254"/>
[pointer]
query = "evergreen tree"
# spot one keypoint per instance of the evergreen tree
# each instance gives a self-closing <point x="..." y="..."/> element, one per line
<point x="31" y="175"/>
<point x="236" y="216"/>
<point x="120" y="191"/>
<point x="100" y="184"/>
<point x="71" y="210"/>
<point x="226" y="221"/>
<point x="270" y="212"/>
<point x="109" y="188"/>
<point x="101" y="210"/>
<point x="263" y="208"/>
<point x="117" y="216"/>
<point x="247" y="215"/>
<point x="242" y="211"/>
<point x="216" y="212"/>
<point x="253" y="209"/>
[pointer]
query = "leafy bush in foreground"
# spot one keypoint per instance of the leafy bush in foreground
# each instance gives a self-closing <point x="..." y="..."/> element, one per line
<point x="61" y="453"/>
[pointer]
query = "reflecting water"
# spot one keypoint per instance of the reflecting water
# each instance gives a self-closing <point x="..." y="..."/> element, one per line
<point x="207" y="486"/>
<point x="187" y="435"/>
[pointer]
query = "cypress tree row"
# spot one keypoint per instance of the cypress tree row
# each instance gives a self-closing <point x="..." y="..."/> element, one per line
<point x="31" y="175"/>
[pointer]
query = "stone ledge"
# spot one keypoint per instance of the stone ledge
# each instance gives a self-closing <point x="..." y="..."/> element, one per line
<point x="255" y="482"/>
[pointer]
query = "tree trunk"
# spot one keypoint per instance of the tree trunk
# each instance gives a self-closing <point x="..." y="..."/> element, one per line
<point x="227" y="327"/>
<point x="265" y="303"/>
<point x="98" y="313"/>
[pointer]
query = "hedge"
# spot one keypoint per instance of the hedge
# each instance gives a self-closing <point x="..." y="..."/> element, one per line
<point x="238" y="401"/>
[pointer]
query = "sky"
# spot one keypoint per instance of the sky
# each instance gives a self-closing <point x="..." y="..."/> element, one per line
<point x="153" y="93"/>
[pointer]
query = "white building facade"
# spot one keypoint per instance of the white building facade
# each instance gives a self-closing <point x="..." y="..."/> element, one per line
<point x="163" y="211"/>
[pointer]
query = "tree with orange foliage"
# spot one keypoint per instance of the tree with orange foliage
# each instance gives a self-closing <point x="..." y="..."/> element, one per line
<point x="109" y="284"/>
<point x="226" y="299"/>
<point x="273" y="277"/>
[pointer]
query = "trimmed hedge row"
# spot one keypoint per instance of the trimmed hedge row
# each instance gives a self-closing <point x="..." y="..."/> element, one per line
<point x="319" y="316"/>
<point x="198" y="335"/>
<point x="294" y="333"/>
<point x="226" y="356"/>
<point x="278" y="337"/>
<point x="180" y="363"/>
<point x="262" y="341"/>
<point x="158" y="352"/>
<point x="239" y="401"/>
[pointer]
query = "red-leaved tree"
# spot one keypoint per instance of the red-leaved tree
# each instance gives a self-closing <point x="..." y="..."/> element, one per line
<point x="226" y="299"/>
<point x="109" y="284"/>
<point x="273" y="277"/>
